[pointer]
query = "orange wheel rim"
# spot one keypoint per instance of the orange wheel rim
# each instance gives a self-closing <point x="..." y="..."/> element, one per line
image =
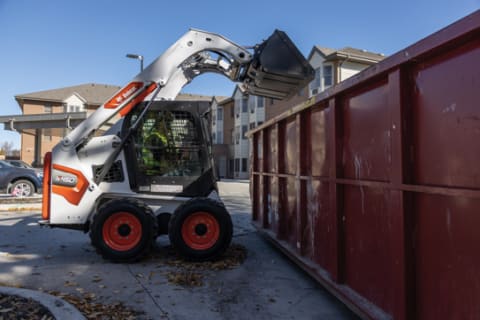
<point x="200" y="231"/>
<point x="122" y="231"/>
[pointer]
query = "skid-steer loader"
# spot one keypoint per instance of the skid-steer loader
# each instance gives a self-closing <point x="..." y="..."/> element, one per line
<point x="151" y="173"/>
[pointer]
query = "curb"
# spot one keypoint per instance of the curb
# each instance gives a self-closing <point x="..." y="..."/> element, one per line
<point x="59" y="308"/>
<point x="21" y="207"/>
<point x="21" y="204"/>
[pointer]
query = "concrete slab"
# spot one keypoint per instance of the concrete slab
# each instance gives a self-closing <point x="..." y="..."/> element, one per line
<point x="265" y="286"/>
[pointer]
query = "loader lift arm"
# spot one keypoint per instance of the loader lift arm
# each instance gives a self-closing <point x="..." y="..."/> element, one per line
<point x="84" y="183"/>
<point x="275" y="69"/>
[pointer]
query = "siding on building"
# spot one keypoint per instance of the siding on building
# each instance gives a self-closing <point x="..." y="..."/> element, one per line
<point x="222" y="152"/>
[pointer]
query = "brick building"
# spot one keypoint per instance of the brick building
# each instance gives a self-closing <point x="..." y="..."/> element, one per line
<point x="47" y="116"/>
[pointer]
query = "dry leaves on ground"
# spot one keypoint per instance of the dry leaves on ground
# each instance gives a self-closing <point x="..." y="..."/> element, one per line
<point x="15" y="307"/>
<point x="189" y="274"/>
<point x="93" y="310"/>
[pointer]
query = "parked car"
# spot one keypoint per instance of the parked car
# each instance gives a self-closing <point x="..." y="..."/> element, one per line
<point x="20" y="182"/>
<point x="23" y="164"/>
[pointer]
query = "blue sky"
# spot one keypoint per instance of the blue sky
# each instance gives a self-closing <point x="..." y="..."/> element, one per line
<point x="56" y="43"/>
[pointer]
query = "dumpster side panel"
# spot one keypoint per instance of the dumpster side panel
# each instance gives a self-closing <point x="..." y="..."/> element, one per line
<point x="447" y="259"/>
<point x="367" y="124"/>
<point x="320" y="138"/>
<point x="323" y="228"/>
<point x="373" y="187"/>
<point x="447" y="125"/>
<point x="447" y="131"/>
<point x="368" y="261"/>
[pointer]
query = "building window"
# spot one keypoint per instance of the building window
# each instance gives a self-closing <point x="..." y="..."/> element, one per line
<point x="315" y="84"/>
<point x="232" y="112"/>
<point x="259" y="123"/>
<point x="75" y="108"/>
<point x="47" y="108"/>
<point x="251" y="103"/>
<point x="260" y="102"/>
<point x="219" y="114"/>
<point x="237" y="134"/>
<point x="244" y="131"/>
<point x="219" y="137"/>
<point x="327" y="76"/>
<point x="272" y="101"/>
<point x="237" y="109"/>
<point x="245" y="104"/>
<point x="252" y="125"/>
<point x="244" y="165"/>
<point x="237" y="165"/>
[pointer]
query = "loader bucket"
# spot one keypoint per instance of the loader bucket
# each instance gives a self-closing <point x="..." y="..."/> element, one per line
<point x="278" y="70"/>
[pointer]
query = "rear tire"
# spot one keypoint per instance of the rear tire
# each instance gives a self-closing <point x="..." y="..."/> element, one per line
<point x="123" y="230"/>
<point x="200" y="229"/>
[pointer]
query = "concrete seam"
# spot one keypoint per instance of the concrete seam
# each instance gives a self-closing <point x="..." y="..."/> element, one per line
<point x="148" y="292"/>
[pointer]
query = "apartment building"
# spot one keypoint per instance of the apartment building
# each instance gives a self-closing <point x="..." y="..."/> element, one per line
<point x="331" y="67"/>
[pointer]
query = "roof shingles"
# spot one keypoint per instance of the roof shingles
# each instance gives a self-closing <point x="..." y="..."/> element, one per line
<point x="92" y="93"/>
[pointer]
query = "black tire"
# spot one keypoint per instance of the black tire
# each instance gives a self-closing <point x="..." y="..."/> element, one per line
<point x="22" y="188"/>
<point x="123" y="230"/>
<point x="200" y="229"/>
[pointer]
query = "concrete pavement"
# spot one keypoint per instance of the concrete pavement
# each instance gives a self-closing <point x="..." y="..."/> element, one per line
<point x="265" y="286"/>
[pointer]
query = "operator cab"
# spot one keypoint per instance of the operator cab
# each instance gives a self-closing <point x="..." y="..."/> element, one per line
<point x="170" y="152"/>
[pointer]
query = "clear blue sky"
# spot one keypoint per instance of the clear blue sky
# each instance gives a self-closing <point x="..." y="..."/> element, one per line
<point x="50" y="44"/>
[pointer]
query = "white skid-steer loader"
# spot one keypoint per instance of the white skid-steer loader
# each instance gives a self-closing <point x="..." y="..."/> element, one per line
<point x="151" y="172"/>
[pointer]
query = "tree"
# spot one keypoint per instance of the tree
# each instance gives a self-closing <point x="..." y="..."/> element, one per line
<point x="16" y="153"/>
<point x="7" y="148"/>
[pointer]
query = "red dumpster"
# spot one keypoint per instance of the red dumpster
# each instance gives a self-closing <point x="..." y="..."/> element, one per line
<point x="373" y="186"/>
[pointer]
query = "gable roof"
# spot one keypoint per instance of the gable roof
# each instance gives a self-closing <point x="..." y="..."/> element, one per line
<point x="222" y="99"/>
<point x="92" y="93"/>
<point x="356" y="55"/>
<point x="322" y="50"/>
<point x="349" y="53"/>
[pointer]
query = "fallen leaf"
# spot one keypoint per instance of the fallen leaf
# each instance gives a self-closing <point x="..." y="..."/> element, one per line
<point x="70" y="284"/>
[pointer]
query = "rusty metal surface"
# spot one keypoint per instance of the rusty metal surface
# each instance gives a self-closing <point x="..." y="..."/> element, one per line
<point x="374" y="186"/>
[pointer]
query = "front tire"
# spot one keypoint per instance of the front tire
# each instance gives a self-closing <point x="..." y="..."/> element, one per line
<point x="200" y="229"/>
<point x="123" y="230"/>
<point x="22" y="188"/>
